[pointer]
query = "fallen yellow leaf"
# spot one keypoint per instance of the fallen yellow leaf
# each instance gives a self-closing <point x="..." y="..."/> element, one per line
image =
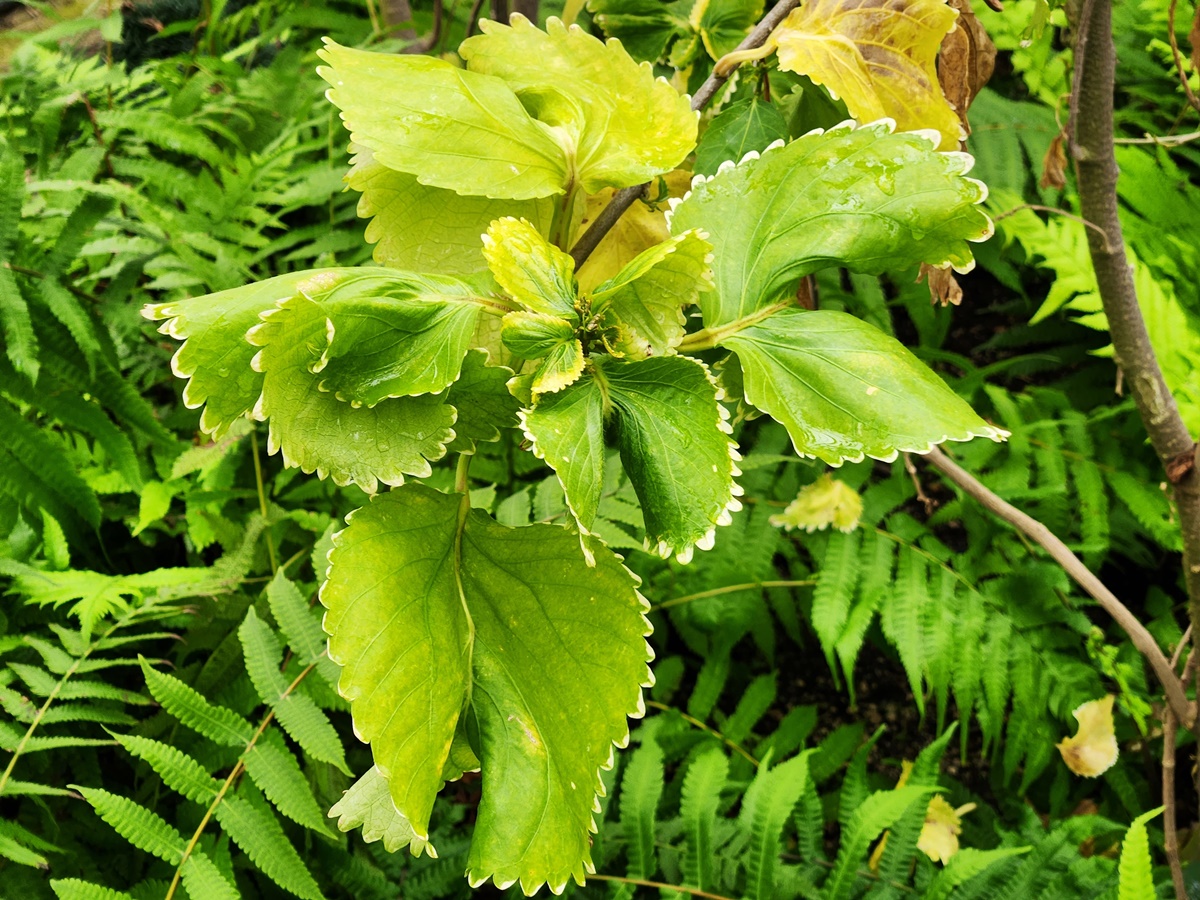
<point x="1093" y="749"/>
<point x="825" y="502"/>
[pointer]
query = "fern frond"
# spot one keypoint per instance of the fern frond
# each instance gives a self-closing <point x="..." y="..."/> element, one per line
<point x="854" y="786"/>
<point x="766" y="808"/>
<point x="902" y="619"/>
<point x="275" y="772"/>
<point x="64" y="493"/>
<point x="876" y="814"/>
<point x="755" y="702"/>
<point x="296" y="620"/>
<point x="261" y="837"/>
<point x="641" y="790"/>
<point x="835" y="592"/>
<point x="216" y="723"/>
<point x="202" y="878"/>
<point x="965" y="865"/>
<point x="698" y="805"/>
<point x="180" y="772"/>
<point x="74" y="889"/>
<point x="20" y="341"/>
<point x="65" y="307"/>
<point x="86" y="712"/>
<point x="1137" y="879"/>
<point x="144" y="829"/>
<point x="32" y="789"/>
<point x="297" y="713"/>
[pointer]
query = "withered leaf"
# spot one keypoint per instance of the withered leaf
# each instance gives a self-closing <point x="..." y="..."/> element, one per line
<point x="944" y="289"/>
<point x="966" y="60"/>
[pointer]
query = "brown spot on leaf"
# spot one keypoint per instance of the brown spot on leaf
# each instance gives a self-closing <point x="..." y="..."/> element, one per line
<point x="1054" y="165"/>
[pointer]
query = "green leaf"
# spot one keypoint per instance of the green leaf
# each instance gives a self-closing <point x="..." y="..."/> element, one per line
<point x="698" y="805"/>
<point x="369" y="804"/>
<point x="529" y="268"/>
<point x="736" y="130"/>
<point x="274" y="769"/>
<point x="215" y="356"/>
<point x="216" y="723"/>
<point x="483" y="403"/>
<point x="427" y="229"/>
<point x="461" y="130"/>
<point x="874" y="815"/>
<point x="561" y="368"/>
<point x="180" y="772"/>
<point x="296" y="713"/>
<point x="20" y="341"/>
<point x="641" y="790"/>
<point x="652" y="30"/>
<point x="965" y="865"/>
<point x="644" y="302"/>
<point x="845" y="390"/>
<point x="144" y="829"/>
<point x="533" y="335"/>
<point x="74" y="889"/>
<point x="318" y="432"/>
<point x="767" y="806"/>
<point x="594" y="92"/>
<point x="672" y="435"/>
<point x="260" y="835"/>
<point x="297" y="622"/>
<point x="1136" y="870"/>
<point x="860" y="198"/>
<point x="202" y="878"/>
<point x="472" y="609"/>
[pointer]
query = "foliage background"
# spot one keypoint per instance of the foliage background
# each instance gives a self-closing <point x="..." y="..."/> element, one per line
<point x="140" y="167"/>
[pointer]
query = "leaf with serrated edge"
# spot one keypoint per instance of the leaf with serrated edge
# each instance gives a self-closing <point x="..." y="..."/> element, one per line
<point x="532" y="335"/>
<point x="561" y="368"/>
<point x="673" y="438"/>
<point x="611" y="99"/>
<point x="318" y="432"/>
<point x="454" y="129"/>
<point x="427" y="229"/>
<point x="368" y="803"/>
<point x="215" y="357"/>
<point x="845" y="390"/>
<point x="860" y="198"/>
<point x="645" y="301"/>
<point x="407" y="572"/>
<point x="878" y="58"/>
<point x="529" y="268"/>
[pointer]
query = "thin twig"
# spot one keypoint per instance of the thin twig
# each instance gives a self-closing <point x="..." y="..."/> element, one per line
<point x="1183" y="79"/>
<point x="730" y="589"/>
<point x="1173" y="686"/>
<point x="696" y="723"/>
<point x="916" y="480"/>
<point x="1058" y="212"/>
<point x="262" y="501"/>
<point x="624" y="198"/>
<point x="473" y="17"/>
<point x="427" y="43"/>
<point x="1164" y="140"/>
<point x="662" y="885"/>
<point x="1170" y="823"/>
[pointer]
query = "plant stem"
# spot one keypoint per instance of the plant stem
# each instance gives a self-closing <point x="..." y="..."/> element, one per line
<point x="624" y="198"/>
<point x="731" y="589"/>
<point x="696" y="723"/>
<point x="641" y="882"/>
<point x="461" y="483"/>
<point x="1173" y="686"/>
<point x="1096" y="173"/>
<point x="237" y="770"/>
<point x="707" y="338"/>
<point x="262" y="501"/>
<point x="1170" y="826"/>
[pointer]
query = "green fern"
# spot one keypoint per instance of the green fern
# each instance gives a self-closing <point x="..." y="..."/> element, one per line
<point x="1137" y="880"/>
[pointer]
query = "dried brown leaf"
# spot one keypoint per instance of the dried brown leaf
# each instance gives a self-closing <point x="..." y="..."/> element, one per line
<point x="966" y="60"/>
<point x="1054" y="165"/>
<point x="944" y="289"/>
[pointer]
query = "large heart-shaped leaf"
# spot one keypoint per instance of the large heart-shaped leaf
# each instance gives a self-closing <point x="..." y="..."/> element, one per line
<point x="880" y="58"/>
<point x="845" y="390"/>
<point x="463" y="131"/>
<point x="437" y="612"/>
<point x="864" y="199"/>
<point x="666" y="419"/>
<point x="427" y="229"/>
<point x="320" y="433"/>
<point x="624" y="125"/>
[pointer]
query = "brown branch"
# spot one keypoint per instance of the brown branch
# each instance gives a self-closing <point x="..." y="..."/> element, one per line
<point x="624" y="198"/>
<point x="1173" y="686"/>
<point x="1037" y="207"/>
<point x="1170" y="824"/>
<point x="1096" y="174"/>
<point x="1183" y="79"/>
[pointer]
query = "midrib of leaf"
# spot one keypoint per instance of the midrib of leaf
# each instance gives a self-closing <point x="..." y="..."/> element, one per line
<point x="464" y="509"/>
<point x="237" y="770"/>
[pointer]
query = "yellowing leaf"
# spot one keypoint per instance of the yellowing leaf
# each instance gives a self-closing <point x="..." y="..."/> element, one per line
<point x="943" y="825"/>
<point x="878" y="58"/>
<point x="1093" y="749"/>
<point x="825" y="502"/>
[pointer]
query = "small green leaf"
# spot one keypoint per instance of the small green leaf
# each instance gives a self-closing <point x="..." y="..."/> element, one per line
<point x="454" y="129"/>
<point x="532" y="270"/>
<point x="427" y="229"/>
<point x="594" y="92"/>
<point x="736" y="130"/>
<point x="179" y="772"/>
<point x="532" y="335"/>
<point x="644" y="302"/>
<point x="673" y="439"/>
<point x="845" y="390"/>
<point x="435" y="608"/>
<point x="318" y="432"/>
<point x="1136" y="869"/>
<point x="562" y="367"/>
<point x="216" y="723"/>
<point x="144" y="829"/>
<point x="74" y="889"/>
<point x="369" y="804"/>
<point x="861" y="198"/>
